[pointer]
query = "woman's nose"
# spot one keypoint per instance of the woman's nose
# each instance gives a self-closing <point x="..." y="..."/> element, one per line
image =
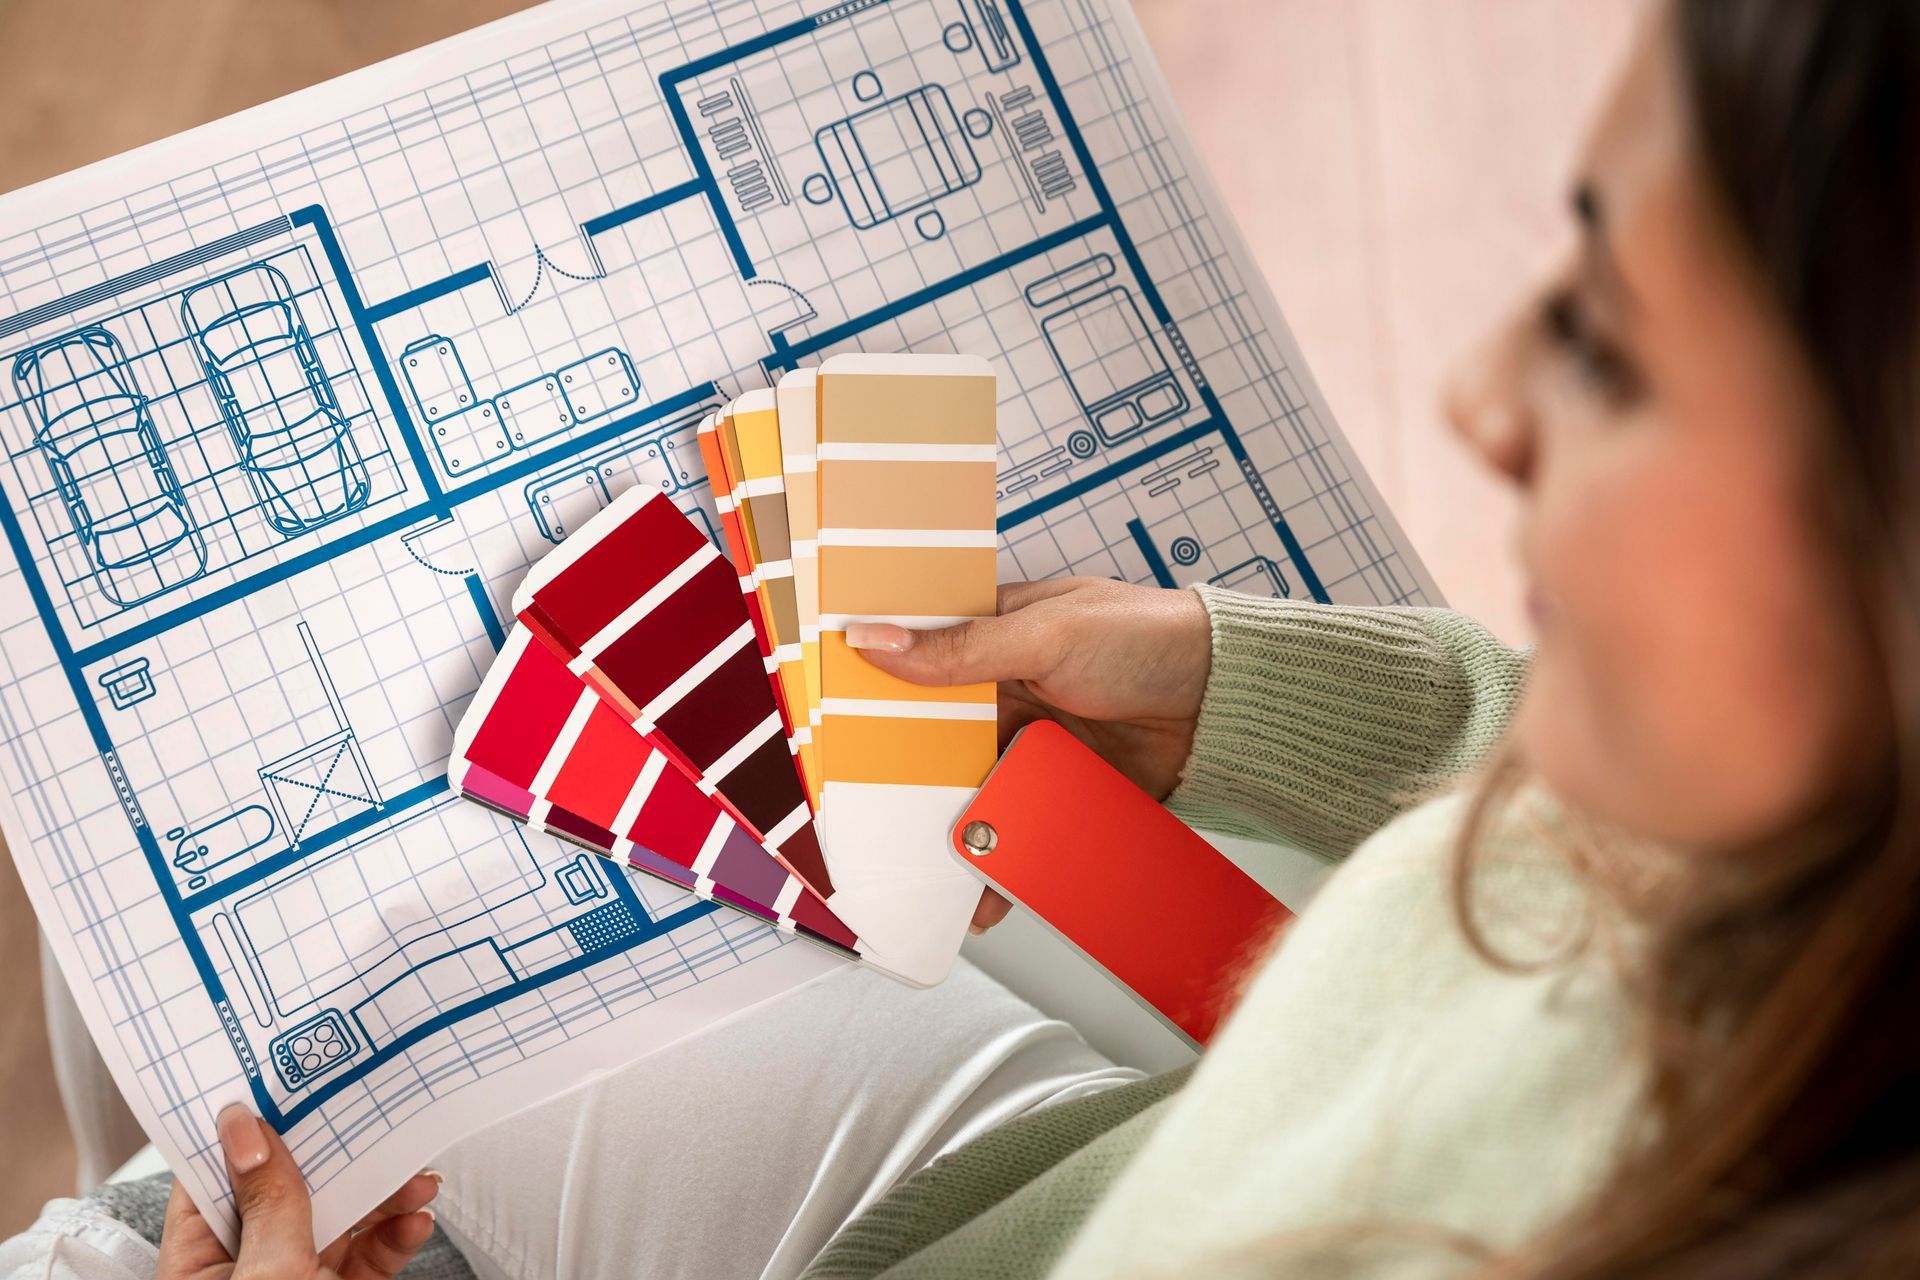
<point x="1487" y="404"/>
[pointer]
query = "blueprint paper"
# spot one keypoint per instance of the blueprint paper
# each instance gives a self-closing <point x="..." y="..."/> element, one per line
<point x="289" y="404"/>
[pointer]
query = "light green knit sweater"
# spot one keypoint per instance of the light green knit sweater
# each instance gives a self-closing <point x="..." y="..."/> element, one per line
<point x="1383" y="1102"/>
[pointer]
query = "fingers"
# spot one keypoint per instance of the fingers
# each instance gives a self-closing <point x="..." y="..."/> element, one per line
<point x="367" y="1250"/>
<point x="1018" y="646"/>
<point x="180" y="1211"/>
<point x="1018" y="595"/>
<point x="409" y="1197"/>
<point x="276" y="1216"/>
<point x="382" y="1251"/>
<point x="992" y="910"/>
<point x="188" y="1246"/>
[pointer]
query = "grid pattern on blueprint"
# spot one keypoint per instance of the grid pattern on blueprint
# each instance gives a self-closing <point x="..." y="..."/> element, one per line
<point x="298" y="706"/>
<point x="1164" y="211"/>
<point x="520" y="1029"/>
<point x="158" y="444"/>
<point x="889" y="98"/>
<point x="504" y="168"/>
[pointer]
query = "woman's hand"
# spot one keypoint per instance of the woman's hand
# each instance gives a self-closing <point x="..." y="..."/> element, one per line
<point x="276" y="1220"/>
<point x="1122" y="667"/>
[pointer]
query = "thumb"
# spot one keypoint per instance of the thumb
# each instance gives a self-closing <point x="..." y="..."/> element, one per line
<point x="276" y="1214"/>
<point x="1014" y="646"/>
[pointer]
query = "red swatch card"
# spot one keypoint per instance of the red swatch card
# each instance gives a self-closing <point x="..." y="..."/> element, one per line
<point x="640" y="605"/>
<point x="1107" y="867"/>
<point x="540" y="746"/>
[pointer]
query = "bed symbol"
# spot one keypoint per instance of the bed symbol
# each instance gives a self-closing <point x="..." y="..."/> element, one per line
<point x="199" y="850"/>
<point x="127" y="685"/>
<point x="1118" y="371"/>
<point x="312" y="1049"/>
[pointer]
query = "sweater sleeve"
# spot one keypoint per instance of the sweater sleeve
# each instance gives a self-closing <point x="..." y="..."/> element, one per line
<point x="1321" y="723"/>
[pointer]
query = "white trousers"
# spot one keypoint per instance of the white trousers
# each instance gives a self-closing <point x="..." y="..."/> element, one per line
<point x="741" y="1152"/>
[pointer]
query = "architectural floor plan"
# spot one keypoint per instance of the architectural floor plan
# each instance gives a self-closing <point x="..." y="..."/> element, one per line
<point x="289" y="404"/>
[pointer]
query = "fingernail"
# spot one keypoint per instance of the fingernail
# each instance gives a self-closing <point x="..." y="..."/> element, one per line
<point x="437" y="1176"/>
<point x="243" y="1138"/>
<point x="883" y="636"/>
<point x="431" y="1216"/>
<point x="977" y="930"/>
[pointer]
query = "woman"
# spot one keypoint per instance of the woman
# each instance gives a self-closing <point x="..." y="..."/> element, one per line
<point x="1641" y="1004"/>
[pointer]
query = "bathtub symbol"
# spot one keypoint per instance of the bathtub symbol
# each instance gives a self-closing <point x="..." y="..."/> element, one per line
<point x="197" y="852"/>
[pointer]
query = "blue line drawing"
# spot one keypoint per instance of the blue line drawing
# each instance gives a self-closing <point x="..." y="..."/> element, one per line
<point x="161" y="361"/>
<point x="483" y="605"/>
<point x="97" y="438"/>
<point x="641" y="208"/>
<point x="799" y="309"/>
<point x="204" y="849"/>
<point x="897" y="156"/>
<point x="469" y="432"/>
<point x="1167" y="477"/>
<point x="1026" y="475"/>
<point x="301" y="966"/>
<point x="130" y="281"/>
<point x="1256" y="577"/>
<point x="313" y="1048"/>
<point x="1056" y="286"/>
<point x="502" y="922"/>
<point x="563" y="499"/>
<point x="1118" y="371"/>
<point x="437" y="377"/>
<point x="997" y="46"/>
<point x="598" y="384"/>
<point x="1156" y="564"/>
<point x="427" y="985"/>
<point x="534" y="411"/>
<point x="314" y="217"/>
<point x="278" y="402"/>
<point x="471" y="439"/>
<point x="327" y="778"/>
<point x="402" y="802"/>
<point x="1106" y="428"/>
<point x="426" y="293"/>
<point x="128" y="685"/>
<point x="582" y="881"/>
<point x="733" y="129"/>
<point x="603" y="926"/>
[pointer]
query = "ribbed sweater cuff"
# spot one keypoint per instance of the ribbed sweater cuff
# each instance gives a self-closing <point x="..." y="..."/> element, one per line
<point x="1320" y="722"/>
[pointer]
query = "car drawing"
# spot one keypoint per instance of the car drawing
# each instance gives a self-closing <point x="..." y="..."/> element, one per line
<point x="278" y="402"/>
<point x="109" y="467"/>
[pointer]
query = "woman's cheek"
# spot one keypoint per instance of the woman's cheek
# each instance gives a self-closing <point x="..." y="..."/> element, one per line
<point x="1621" y="646"/>
<point x="1690" y="683"/>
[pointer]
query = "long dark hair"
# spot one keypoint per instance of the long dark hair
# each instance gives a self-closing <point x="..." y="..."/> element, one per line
<point x="1783" y="999"/>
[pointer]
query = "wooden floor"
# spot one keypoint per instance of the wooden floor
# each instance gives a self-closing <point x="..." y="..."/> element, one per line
<point x="1397" y="166"/>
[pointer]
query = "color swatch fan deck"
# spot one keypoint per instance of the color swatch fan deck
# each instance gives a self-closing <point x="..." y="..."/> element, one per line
<point x="701" y="716"/>
<point x="543" y="748"/>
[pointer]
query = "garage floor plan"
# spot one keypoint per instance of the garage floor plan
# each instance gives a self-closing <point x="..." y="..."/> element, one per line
<point x="283" y="431"/>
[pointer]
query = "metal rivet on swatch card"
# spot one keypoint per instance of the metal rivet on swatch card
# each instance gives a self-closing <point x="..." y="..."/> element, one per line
<point x="979" y="837"/>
